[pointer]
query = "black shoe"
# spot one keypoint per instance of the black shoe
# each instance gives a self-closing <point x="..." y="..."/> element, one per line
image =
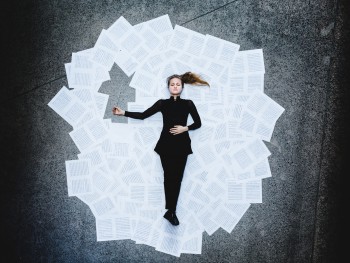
<point x="171" y="217"/>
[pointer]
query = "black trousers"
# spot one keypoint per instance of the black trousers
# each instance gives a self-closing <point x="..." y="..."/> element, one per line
<point x="174" y="167"/>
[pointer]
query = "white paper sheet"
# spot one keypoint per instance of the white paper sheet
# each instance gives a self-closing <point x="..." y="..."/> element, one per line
<point x="118" y="174"/>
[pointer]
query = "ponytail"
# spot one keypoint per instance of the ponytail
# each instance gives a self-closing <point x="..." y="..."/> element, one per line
<point x="192" y="78"/>
<point x="188" y="78"/>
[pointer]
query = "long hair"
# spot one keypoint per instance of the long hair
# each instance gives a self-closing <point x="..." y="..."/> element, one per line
<point x="188" y="78"/>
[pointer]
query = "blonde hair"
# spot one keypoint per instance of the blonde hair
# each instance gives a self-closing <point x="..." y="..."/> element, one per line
<point x="188" y="78"/>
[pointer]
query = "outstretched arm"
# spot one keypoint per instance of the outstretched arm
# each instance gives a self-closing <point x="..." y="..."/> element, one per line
<point x="195" y="116"/>
<point x="139" y="115"/>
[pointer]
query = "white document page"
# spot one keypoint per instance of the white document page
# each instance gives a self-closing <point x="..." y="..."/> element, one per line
<point x="192" y="245"/>
<point x="105" y="229"/>
<point x="246" y="192"/>
<point x="248" y="61"/>
<point x="220" y="50"/>
<point x="161" y="25"/>
<point x="119" y="29"/>
<point x="102" y="206"/>
<point x="82" y="70"/>
<point x="67" y="105"/>
<point x="79" y="179"/>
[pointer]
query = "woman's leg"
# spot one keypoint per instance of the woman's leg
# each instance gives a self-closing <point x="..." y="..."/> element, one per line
<point x="167" y="165"/>
<point x="179" y="168"/>
<point x="174" y="167"/>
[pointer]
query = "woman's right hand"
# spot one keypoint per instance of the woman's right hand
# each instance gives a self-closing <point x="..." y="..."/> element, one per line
<point x="118" y="111"/>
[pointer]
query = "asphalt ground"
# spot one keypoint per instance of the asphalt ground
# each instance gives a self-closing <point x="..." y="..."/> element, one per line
<point x="306" y="53"/>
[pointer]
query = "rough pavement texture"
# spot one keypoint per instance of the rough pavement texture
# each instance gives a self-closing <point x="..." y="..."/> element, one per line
<point x="306" y="54"/>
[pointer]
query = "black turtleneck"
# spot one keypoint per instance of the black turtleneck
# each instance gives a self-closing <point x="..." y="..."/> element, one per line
<point x="175" y="111"/>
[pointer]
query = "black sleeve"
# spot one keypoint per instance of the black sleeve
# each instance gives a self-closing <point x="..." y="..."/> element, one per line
<point x="195" y="116"/>
<point x="147" y="113"/>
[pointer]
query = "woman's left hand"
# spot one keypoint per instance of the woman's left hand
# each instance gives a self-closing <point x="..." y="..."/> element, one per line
<point x="178" y="129"/>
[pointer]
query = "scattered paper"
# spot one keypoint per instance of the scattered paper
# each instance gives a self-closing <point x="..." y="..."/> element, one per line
<point x="117" y="173"/>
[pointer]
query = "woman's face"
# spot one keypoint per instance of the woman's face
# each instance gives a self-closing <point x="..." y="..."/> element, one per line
<point x="175" y="86"/>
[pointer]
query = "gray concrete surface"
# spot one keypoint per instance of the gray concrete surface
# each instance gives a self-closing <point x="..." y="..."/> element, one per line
<point x="306" y="53"/>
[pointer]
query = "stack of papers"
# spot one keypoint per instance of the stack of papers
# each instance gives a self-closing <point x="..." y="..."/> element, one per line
<point x="118" y="174"/>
